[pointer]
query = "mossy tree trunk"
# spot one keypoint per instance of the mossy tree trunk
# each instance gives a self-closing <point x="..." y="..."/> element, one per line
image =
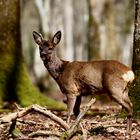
<point x="15" y="84"/>
<point x="135" y="90"/>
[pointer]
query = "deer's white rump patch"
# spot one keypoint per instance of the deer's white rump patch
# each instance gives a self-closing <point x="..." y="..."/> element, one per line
<point x="128" y="76"/>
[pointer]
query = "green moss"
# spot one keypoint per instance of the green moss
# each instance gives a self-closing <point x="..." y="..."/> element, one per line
<point x="64" y="135"/>
<point x="15" y="84"/>
<point x="6" y="65"/>
<point x="122" y="114"/>
<point x="5" y="111"/>
<point x="17" y="133"/>
<point x="27" y="94"/>
<point x="135" y="94"/>
<point x="95" y="113"/>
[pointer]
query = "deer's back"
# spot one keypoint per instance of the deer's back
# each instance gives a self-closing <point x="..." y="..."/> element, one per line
<point x="93" y="75"/>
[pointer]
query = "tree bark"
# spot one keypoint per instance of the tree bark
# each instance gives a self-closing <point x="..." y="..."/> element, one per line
<point x="93" y="34"/>
<point x="110" y="30"/>
<point x="80" y="25"/>
<point x="15" y="84"/>
<point x="68" y="28"/>
<point x="135" y="89"/>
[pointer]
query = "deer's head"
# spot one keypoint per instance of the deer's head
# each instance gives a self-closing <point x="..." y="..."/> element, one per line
<point x="46" y="47"/>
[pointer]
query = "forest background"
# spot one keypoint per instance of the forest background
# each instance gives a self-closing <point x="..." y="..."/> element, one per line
<point x="91" y="30"/>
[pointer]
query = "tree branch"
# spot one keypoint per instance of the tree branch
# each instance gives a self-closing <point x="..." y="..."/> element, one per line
<point x="73" y="129"/>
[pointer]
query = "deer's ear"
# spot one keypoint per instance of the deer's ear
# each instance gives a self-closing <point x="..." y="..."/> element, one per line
<point x="56" y="38"/>
<point x="37" y="37"/>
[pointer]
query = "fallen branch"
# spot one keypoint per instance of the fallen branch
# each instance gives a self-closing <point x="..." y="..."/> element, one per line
<point x="48" y="113"/>
<point x="24" y="111"/>
<point x="73" y="129"/>
<point x="29" y="122"/>
<point x="11" y="118"/>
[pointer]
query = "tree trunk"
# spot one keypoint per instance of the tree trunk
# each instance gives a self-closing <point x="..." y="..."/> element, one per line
<point x="110" y="30"/>
<point x="135" y="89"/>
<point x="68" y="28"/>
<point x="80" y="25"/>
<point x="15" y="84"/>
<point x="93" y="34"/>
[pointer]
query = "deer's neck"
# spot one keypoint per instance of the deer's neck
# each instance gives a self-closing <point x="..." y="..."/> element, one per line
<point x="54" y="65"/>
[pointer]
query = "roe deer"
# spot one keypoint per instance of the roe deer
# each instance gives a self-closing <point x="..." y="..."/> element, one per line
<point x="83" y="78"/>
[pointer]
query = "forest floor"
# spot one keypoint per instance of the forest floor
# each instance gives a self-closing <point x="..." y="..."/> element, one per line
<point x="103" y="125"/>
<point x="98" y="128"/>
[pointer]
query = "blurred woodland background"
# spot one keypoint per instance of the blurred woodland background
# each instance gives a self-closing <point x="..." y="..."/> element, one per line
<point x="91" y="29"/>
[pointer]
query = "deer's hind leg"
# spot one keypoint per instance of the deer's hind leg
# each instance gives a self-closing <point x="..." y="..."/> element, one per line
<point x="129" y="110"/>
<point x="121" y="97"/>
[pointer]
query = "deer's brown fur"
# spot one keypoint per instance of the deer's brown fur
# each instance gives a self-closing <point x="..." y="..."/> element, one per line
<point x="77" y="78"/>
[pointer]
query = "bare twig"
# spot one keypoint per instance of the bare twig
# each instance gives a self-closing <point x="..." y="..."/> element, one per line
<point x="8" y="118"/>
<point x="44" y="133"/>
<point x="84" y="131"/>
<point x="18" y="108"/>
<point x="29" y="122"/>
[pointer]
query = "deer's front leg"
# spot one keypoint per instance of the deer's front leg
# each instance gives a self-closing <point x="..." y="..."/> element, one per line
<point x="77" y="106"/>
<point x="70" y="106"/>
